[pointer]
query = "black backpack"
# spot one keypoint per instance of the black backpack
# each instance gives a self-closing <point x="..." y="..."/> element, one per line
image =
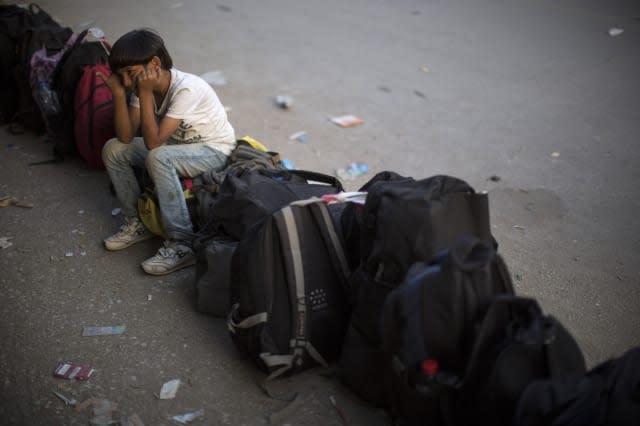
<point x="247" y="197"/>
<point x="403" y="221"/>
<point x="29" y="29"/>
<point x="244" y="157"/>
<point x="8" y="92"/>
<point x="609" y="394"/>
<point x="428" y="329"/>
<point x="516" y="344"/>
<point x="65" y="79"/>
<point x="460" y="347"/>
<point x="289" y="300"/>
<point x="351" y="221"/>
<point x="504" y="343"/>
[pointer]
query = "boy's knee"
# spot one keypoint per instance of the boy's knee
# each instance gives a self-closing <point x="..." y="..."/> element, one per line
<point x="156" y="158"/>
<point x="112" y="150"/>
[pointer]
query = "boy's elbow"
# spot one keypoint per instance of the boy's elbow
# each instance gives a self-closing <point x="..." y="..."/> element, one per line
<point x="124" y="137"/>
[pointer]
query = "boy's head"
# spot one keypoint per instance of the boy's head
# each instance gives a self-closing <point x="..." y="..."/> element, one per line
<point x="138" y="47"/>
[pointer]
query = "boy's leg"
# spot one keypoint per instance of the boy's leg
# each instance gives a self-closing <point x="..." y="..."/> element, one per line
<point x="119" y="159"/>
<point x="166" y="164"/>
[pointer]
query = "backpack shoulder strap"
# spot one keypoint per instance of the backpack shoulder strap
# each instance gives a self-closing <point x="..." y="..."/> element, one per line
<point x="290" y="240"/>
<point x="58" y="69"/>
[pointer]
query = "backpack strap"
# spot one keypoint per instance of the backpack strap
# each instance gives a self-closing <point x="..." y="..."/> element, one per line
<point x="289" y="231"/>
<point x="270" y="360"/>
<point x="328" y="231"/>
<point x="248" y="322"/>
<point x="58" y="69"/>
<point x="299" y="344"/>
<point x="79" y="39"/>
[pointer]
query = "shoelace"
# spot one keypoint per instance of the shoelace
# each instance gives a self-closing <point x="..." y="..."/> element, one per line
<point x="167" y="250"/>
<point x="127" y="227"/>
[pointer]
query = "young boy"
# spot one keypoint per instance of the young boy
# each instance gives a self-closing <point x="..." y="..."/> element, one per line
<point x="185" y="132"/>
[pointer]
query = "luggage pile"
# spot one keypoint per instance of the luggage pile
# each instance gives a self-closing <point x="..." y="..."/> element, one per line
<point x="400" y="286"/>
<point x="52" y="82"/>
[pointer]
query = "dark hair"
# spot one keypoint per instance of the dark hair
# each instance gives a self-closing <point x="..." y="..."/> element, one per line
<point x="138" y="47"/>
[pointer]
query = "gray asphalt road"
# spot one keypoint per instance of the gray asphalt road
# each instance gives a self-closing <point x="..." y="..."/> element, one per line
<point x="536" y="93"/>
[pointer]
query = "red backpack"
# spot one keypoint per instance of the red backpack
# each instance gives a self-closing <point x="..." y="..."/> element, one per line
<point x="93" y="114"/>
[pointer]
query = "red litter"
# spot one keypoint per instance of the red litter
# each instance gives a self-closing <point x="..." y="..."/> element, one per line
<point x="71" y="370"/>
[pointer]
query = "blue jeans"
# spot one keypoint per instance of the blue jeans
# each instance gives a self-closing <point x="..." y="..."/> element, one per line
<point x="165" y="164"/>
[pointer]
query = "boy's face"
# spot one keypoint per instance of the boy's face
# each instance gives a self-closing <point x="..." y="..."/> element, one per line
<point x="129" y="76"/>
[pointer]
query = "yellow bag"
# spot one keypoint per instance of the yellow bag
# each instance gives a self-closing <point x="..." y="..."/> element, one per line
<point x="253" y="143"/>
<point x="149" y="211"/>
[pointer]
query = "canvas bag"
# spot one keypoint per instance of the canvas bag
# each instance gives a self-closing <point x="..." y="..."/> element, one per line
<point x="248" y="197"/>
<point x="93" y="121"/>
<point x="149" y="208"/>
<point x="429" y="321"/>
<point x="504" y="347"/>
<point x="249" y="154"/>
<point x="403" y="221"/>
<point x="87" y="50"/>
<point x="289" y="306"/>
<point x="516" y="344"/>
<point x="608" y="394"/>
<point x="29" y="28"/>
<point x="43" y="63"/>
<point x="8" y="92"/>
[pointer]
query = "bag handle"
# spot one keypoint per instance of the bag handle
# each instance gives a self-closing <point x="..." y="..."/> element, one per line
<point x="319" y="177"/>
<point x="469" y="254"/>
<point x="305" y="174"/>
<point x="80" y="38"/>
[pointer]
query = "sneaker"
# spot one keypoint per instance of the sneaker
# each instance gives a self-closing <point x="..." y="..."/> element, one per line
<point x="133" y="231"/>
<point x="171" y="257"/>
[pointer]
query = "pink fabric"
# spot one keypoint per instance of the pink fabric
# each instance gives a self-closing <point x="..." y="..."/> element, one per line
<point x="42" y="66"/>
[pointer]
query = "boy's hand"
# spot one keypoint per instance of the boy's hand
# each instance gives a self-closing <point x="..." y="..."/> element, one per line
<point x="113" y="82"/>
<point x="147" y="79"/>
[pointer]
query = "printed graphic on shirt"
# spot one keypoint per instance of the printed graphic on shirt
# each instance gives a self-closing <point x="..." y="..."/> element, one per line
<point x="185" y="133"/>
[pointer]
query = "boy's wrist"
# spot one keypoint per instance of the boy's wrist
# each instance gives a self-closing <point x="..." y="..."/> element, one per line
<point x="119" y="94"/>
<point x="145" y="94"/>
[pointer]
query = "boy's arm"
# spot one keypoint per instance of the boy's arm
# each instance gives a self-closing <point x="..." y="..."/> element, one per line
<point x="126" y="121"/>
<point x="154" y="134"/>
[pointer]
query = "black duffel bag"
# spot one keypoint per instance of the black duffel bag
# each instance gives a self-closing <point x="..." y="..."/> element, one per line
<point x="246" y="198"/>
